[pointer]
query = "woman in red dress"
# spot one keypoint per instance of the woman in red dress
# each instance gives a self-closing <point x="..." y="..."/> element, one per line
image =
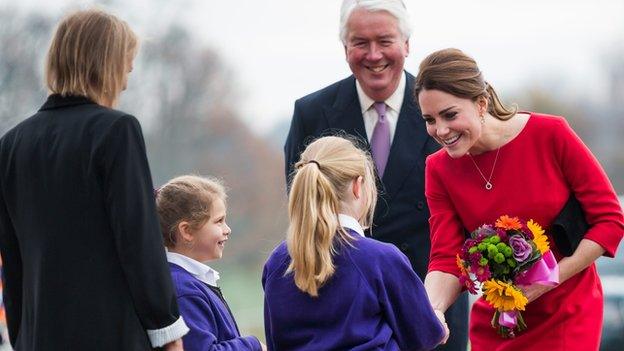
<point x="496" y="161"/>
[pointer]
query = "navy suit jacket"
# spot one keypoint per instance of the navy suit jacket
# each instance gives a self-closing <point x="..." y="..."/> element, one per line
<point x="401" y="216"/>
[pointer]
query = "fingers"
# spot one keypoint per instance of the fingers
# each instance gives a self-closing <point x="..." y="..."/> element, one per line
<point x="442" y="320"/>
<point x="534" y="291"/>
<point x="447" y="333"/>
<point x="175" y="345"/>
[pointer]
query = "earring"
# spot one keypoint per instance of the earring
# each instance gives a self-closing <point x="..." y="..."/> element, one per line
<point x="482" y="119"/>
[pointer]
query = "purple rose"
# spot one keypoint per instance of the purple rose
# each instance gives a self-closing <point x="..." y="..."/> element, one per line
<point x="521" y="249"/>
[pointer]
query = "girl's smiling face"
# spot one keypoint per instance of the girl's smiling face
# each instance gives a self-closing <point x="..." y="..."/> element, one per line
<point x="209" y="239"/>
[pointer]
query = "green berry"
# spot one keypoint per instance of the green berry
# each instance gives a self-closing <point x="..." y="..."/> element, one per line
<point x="492" y="251"/>
<point x="499" y="258"/>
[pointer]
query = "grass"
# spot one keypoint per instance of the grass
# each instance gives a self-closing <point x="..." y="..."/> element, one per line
<point x="242" y="289"/>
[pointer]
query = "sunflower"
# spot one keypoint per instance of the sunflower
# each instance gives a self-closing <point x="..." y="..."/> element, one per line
<point x="504" y="296"/>
<point x="539" y="238"/>
<point x="508" y="223"/>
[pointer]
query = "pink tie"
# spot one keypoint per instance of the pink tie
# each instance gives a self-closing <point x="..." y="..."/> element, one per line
<point x="380" y="141"/>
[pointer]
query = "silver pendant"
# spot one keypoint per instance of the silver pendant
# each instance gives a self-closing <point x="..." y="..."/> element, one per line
<point x="488" y="186"/>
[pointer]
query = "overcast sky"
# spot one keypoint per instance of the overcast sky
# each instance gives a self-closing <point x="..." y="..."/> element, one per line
<point x="281" y="50"/>
<point x="284" y="49"/>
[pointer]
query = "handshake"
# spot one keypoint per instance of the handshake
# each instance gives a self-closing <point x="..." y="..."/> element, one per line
<point x="442" y="320"/>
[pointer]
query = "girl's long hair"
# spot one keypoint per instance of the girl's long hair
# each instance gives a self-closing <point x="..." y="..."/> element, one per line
<point x="322" y="178"/>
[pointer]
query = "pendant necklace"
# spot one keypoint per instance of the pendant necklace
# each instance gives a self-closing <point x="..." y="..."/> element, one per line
<point x="488" y="181"/>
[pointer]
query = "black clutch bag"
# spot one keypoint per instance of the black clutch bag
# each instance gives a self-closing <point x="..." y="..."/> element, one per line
<point x="570" y="226"/>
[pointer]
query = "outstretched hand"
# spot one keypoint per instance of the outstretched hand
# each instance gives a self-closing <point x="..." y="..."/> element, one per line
<point x="175" y="345"/>
<point x="442" y="320"/>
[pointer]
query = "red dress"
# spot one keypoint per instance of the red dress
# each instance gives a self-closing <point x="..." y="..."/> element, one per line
<point x="534" y="175"/>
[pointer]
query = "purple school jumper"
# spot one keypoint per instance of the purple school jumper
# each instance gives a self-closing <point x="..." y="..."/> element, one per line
<point x="212" y="325"/>
<point x="374" y="301"/>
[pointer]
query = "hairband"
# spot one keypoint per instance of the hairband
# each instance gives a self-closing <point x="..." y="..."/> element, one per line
<point x="302" y="163"/>
<point x="316" y="163"/>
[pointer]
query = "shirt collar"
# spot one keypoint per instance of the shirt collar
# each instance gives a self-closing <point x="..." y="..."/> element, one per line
<point x="196" y="268"/>
<point x="394" y="101"/>
<point x="347" y="221"/>
<point x="56" y="101"/>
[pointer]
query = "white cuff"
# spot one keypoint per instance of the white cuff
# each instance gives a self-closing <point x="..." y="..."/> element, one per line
<point x="162" y="336"/>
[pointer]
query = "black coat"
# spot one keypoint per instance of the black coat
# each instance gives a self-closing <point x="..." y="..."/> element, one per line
<point x="84" y="266"/>
<point x="401" y="215"/>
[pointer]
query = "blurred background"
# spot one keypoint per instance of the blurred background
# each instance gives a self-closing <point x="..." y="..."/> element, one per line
<point x="215" y="82"/>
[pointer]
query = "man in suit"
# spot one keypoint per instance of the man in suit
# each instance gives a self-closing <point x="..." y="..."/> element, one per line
<point x="376" y="105"/>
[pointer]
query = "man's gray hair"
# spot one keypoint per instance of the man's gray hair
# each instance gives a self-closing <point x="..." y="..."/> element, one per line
<point x="395" y="7"/>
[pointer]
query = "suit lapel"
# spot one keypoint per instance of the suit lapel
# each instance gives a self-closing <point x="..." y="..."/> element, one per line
<point x="409" y="139"/>
<point x="345" y="114"/>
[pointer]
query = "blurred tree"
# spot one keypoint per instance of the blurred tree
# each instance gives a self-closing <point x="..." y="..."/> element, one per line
<point x="21" y="64"/>
<point x="612" y="121"/>
<point x="539" y="99"/>
<point x="185" y="98"/>
<point x="600" y="127"/>
<point x="176" y="87"/>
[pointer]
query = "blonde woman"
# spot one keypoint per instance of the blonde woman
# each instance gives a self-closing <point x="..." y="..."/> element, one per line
<point x="330" y="288"/>
<point x="84" y="265"/>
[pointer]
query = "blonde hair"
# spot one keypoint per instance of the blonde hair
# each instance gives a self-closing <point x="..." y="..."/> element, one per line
<point x="322" y="177"/>
<point x="89" y="56"/>
<point x="186" y="198"/>
<point x="454" y="72"/>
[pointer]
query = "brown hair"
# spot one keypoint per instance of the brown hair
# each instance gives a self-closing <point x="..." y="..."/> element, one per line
<point x="186" y="198"/>
<point x="322" y="177"/>
<point x="455" y="73"/>
<point x="89" y="56"/>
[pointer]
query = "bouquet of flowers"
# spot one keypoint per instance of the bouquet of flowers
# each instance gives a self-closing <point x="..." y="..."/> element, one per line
<point x="502" y="257"/>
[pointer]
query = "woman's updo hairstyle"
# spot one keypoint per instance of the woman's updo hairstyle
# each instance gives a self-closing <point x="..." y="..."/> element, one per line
<point x="454" y="72"/>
